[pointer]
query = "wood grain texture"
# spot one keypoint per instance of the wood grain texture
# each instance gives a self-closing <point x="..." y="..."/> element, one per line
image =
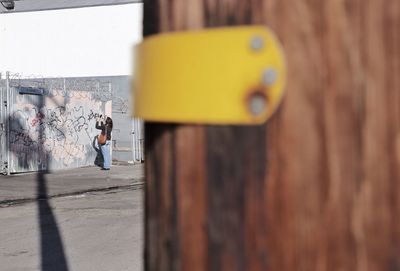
<point x="333" y="151"/>
<point x="314" y="189"/>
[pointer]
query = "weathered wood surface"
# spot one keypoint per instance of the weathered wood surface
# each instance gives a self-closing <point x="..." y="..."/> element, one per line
<point x="315" y="189"/>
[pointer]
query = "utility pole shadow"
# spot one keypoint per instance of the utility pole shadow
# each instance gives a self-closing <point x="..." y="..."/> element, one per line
<point x="52" y="249"/>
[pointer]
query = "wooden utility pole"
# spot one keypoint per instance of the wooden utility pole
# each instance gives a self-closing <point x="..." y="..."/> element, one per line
<point x="317" y="187"/>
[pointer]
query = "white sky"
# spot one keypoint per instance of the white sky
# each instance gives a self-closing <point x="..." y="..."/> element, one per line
<point x="95" y="41"/>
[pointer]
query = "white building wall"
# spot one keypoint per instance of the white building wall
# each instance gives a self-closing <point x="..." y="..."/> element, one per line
<point x="95" y="41"/>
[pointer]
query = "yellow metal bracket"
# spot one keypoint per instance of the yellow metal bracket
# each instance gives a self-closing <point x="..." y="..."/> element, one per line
<point x="233" y="75"/>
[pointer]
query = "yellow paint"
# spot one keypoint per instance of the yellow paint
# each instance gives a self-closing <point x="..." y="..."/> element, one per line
<point x="207" y="76"/>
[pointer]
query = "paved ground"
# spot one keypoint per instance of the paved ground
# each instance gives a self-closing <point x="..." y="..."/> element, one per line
<point x="25" y="186"/>
<point x="90" y="220"/>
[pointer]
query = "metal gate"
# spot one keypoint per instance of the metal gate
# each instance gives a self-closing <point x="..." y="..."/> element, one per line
<point x="138" y="140"/>
<point x="50" y="124"/>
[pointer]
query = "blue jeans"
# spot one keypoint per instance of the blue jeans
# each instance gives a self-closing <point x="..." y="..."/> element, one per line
<point x="105" y="150"/>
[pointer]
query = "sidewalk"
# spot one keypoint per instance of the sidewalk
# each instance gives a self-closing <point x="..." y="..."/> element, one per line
<point x="23" y="187"/>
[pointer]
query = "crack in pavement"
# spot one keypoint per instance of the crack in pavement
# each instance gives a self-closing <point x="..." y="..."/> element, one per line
<point x="15" y="202"/>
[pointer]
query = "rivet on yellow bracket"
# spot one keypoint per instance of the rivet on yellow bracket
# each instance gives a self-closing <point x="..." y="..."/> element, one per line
<point x="233" y="75"/>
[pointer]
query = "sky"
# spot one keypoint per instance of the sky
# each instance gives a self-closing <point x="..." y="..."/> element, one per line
<point x="94" y="41"/>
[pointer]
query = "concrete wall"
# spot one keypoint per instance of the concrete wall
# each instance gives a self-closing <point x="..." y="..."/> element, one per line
<point x="122" y="135"/>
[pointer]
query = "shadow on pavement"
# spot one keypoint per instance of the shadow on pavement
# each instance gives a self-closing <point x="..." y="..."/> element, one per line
<point x="52" y="249"/>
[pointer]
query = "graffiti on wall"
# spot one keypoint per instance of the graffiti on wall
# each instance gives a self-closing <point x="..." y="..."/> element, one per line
<point x="57" y="128"/>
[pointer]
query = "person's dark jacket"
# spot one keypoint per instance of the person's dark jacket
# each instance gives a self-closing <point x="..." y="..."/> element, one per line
<point x="104" y="128"/>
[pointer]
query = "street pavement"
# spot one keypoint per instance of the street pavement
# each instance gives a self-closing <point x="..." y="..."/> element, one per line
<point x="20" y="187"/>
<point x="81" y="219"/>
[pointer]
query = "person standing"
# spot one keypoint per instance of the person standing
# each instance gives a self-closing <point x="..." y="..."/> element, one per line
<point x="106" y="128"/>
